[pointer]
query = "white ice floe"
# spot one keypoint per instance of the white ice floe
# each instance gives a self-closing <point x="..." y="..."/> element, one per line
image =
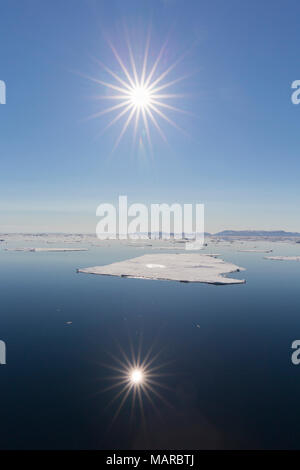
<point x="46" y="249"/>
<point x="151" y="266"/>
<point x="255" y="251"/>
<point x="283" y="258"/>
<point x="194" y="245"/>
<point x="185" y="267"/>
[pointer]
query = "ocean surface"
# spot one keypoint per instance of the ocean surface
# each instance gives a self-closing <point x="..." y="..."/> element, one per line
<point x="222" y="354"/>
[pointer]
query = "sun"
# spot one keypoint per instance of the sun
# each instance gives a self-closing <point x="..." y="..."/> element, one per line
<point x="139" y="95"/>
<point x="136" y="376"/>
<point x="139" y="377"/>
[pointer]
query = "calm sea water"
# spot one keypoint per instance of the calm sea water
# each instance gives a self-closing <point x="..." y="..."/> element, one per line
<point x="226" y="380"/>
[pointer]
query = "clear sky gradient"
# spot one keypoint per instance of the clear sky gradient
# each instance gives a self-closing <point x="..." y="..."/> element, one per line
<point x="240" y="156"/>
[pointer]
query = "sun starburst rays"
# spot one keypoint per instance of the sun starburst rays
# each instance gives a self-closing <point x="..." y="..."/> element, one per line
<point x="139" y="93"/>
<point x="136" y="378"/>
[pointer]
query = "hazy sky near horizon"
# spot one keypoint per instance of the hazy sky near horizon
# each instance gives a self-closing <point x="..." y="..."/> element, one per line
<point x="240" y="153"/>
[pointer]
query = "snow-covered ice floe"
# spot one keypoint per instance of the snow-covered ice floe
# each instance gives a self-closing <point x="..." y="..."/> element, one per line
<point x="256" y="251"/>
<point x="46" y="249"/>
<point x="283" y="258"/>
<point x="174" y="267"/>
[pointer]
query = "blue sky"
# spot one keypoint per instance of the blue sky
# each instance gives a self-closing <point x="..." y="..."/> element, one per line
<point x="240" y="157"/>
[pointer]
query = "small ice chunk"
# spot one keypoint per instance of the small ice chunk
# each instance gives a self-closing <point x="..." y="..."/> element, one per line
<point x="151" y="266"/>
